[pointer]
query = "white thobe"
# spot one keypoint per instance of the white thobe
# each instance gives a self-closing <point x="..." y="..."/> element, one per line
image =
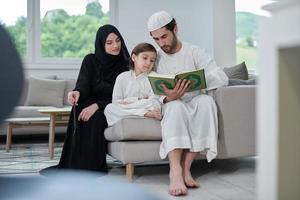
<point x="132" y="96"/>
<point x="190" y="122"/>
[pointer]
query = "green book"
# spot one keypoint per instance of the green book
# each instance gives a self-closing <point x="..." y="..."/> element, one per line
<point x="197" y="78"/>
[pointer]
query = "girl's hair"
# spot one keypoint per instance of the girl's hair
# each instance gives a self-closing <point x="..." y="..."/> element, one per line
<point x="140" y="48"/>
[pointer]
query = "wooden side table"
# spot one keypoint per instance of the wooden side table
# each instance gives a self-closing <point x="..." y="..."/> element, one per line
<point x="57" y="116"/>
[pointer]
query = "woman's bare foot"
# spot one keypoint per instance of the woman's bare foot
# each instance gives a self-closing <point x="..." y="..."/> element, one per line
<point x="156" y="114"/>
<point x="177" y="186"/>
<point x="189" y="181"/>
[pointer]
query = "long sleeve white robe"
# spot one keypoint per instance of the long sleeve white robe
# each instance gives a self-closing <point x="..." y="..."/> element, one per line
<point x="132" y="96"/>
<point x="190" y="122"/>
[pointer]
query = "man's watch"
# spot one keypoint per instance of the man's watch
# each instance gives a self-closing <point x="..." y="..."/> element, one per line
<point x="165" y="100"/>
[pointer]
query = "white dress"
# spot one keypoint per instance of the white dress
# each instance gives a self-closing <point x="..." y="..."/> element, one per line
<point x="190" y="122"/>
<point x="132" y="96"/>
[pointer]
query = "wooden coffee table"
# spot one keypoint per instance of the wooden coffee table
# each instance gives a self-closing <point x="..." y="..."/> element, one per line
<point x="57" y="116"/>
<point x="21" y="122"/>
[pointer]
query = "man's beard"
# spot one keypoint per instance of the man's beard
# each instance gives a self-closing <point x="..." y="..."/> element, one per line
<point x="170" y="48"/>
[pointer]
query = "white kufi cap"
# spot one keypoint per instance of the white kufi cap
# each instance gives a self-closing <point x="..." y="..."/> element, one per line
<point x="158" y="20"/>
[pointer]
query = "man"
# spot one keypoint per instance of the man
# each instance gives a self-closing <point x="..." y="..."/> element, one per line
<point x="189" y="124"/>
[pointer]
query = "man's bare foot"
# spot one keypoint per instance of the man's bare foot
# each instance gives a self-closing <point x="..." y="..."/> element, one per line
<point x="189" y="181"/>
<point x="177" y="186"/>
<point x="156" y="114"/>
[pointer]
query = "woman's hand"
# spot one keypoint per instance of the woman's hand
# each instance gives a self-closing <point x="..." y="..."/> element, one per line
<point x="87" y="112"/>
<point x="73" y="97"/>
<point x="178" y="91"/>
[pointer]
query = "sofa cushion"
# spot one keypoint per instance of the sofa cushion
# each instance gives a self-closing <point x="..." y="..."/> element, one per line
<point x="134" y="151"/>
<point x="25" y="89"/>
<point x="134" y="129"/>
<point x="241" y="82"/>
<point x="45" y="92"/>
<point x="237" y="72"/>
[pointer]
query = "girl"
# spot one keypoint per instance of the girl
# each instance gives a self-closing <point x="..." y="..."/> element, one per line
<point x="132" y="94"/>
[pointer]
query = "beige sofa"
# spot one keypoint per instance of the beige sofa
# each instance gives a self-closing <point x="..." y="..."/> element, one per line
<point x="137" y="140"/>
<point x="39" y="93"/>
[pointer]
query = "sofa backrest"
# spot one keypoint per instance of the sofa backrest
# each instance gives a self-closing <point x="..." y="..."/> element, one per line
<point x="70" y="84"/>
<point x="24" y="92"/>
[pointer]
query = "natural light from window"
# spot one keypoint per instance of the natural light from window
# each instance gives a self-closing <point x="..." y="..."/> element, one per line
<point x="67" y="27"/>
<point x="248" y="13"/>
<point x="14" y="19"/>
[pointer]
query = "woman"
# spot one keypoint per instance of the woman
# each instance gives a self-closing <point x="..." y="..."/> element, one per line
<point x="85" y="145"/>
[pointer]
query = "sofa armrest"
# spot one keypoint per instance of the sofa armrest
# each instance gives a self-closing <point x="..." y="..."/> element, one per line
<point x="236" y="114"/>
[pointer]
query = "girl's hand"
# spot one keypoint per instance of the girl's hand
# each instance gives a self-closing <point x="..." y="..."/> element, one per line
<point x="125" y="102"/>
<point x="155" y="114"/>
<point x="73" y="97"/>
<point x="87" y="112"/>
<point x="140" y="98"/>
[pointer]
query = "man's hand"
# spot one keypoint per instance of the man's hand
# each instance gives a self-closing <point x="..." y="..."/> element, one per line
<point x="73" y="97"/>
<point x="178" y="91"/>
<point x="87" y="112"/>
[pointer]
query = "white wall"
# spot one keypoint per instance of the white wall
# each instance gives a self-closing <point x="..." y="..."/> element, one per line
<point x="224" y="50"/>
<point x="200" y="22"/>
<point x="278" y="103"/>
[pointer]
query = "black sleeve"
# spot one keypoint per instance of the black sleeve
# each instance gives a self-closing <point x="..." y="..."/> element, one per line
<point x="83" y="80"/>
<point x="103" y="103"/>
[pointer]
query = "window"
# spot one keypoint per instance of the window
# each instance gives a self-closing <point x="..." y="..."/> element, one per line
<point x="247" y="17"/>
<point x="47" y="31"/>
<point x="14" y="19"/>
<point x="68" y="30"/>
<point x="246" y="39"/>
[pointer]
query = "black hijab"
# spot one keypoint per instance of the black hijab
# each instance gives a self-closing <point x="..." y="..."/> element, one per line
<point x="110" y="64"/>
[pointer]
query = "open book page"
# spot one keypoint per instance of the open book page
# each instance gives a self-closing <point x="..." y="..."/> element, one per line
<point x="157" y="75"/>
<point x="188" y="71"/>
<point x="196" y="77"/>
<point x="157" y="79"/>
